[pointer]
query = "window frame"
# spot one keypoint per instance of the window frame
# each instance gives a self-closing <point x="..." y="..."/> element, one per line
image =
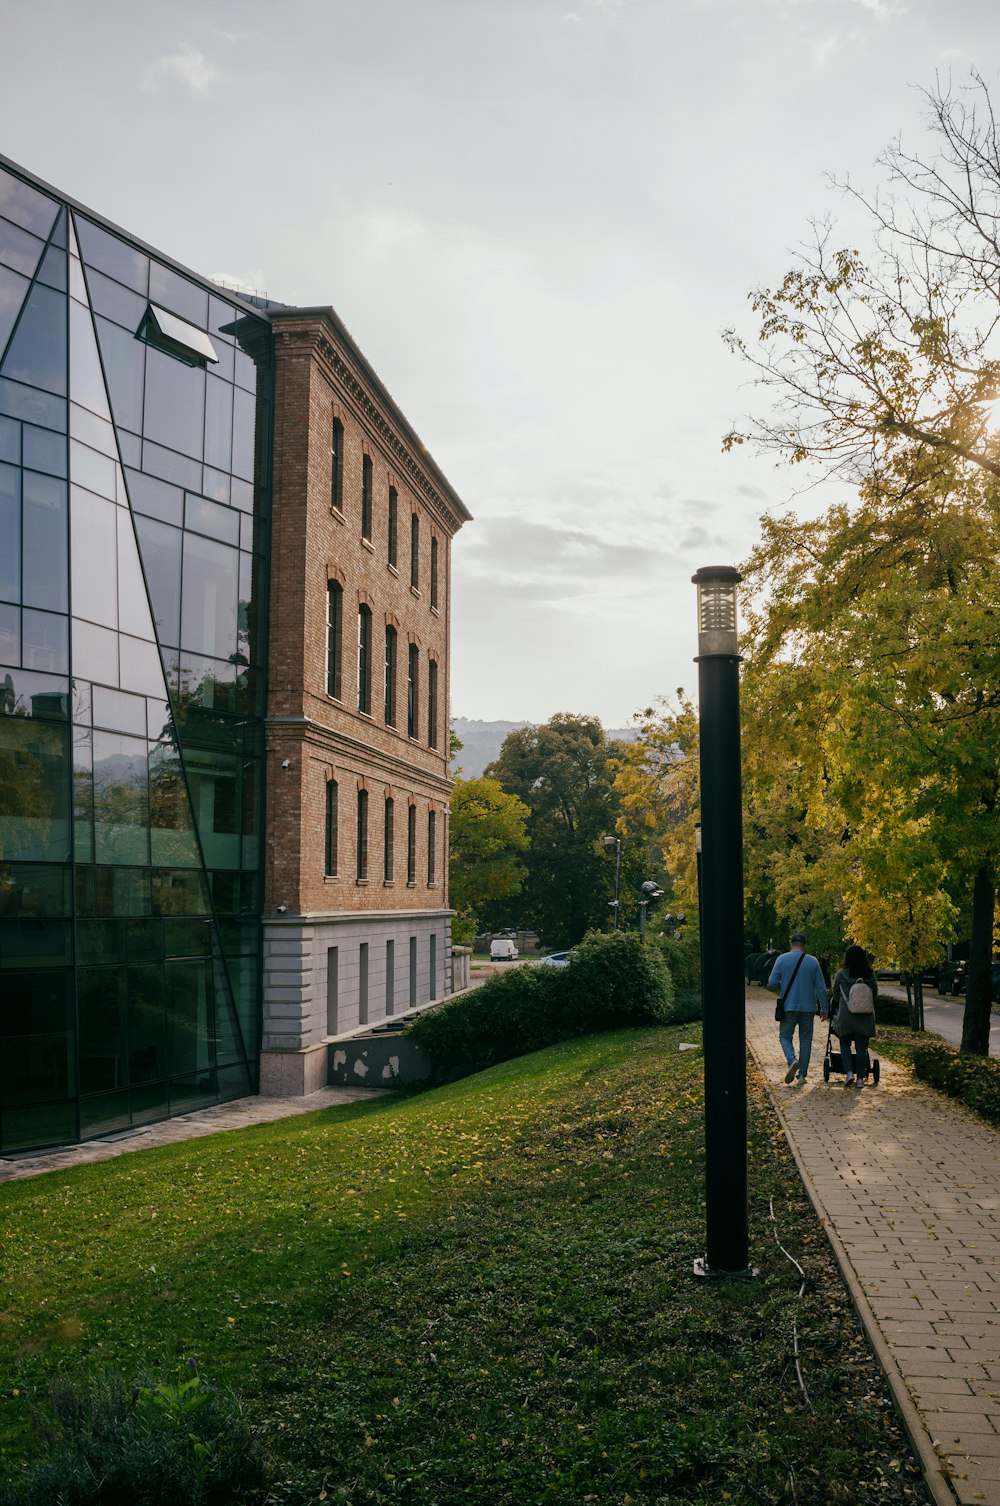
<point x="366" y="498"/>
<point x="432" y="700"/>
<point x="364" y="658"/>
<point x="331" y="830"/>
<point x="411" y="844"/>
<point x="431" y="848"/>
<point x="413" y="692"/>
<point x="334" y="639"/>
<point x="392" y="542"/>
<point x="391" y="665"/>
<point x="434" y="571"/>
<point x="337" y="465"/>
<point x="362" y="837"/>
<point x="389" y="840"/>
<point x="415" y="551"/>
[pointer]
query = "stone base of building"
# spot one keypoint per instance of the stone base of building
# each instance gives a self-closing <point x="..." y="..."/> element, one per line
<point x="293" y="1074"/>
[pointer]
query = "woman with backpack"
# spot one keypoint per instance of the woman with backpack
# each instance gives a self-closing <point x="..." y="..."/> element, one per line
<point x="854" y="993"/>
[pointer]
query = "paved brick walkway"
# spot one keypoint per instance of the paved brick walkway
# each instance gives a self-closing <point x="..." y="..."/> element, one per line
<point x="908" y="1185"/>
<point x="209" y="1121"/>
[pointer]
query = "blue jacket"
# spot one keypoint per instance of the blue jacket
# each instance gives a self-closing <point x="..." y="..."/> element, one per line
<point x="808" y="991"/>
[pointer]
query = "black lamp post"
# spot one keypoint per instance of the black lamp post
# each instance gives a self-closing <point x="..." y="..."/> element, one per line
<point x="723" y="1001"/>
<point x="616" y="842"/>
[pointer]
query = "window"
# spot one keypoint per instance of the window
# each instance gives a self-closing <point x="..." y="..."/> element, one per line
<point x="393" y="553"/>
<point x="434" y="966"/>
<point x="432" y="703"/>
<point x="415" y="551"/>
<point x="365" y="659"/>
<point x="337" y="466"/>
<point x="363" y="983"/>
<point x="413" y="972"/>
<point x="330" y="834"/>
<point x="362" y="834"/>
<point x="390" y="675"/>
<point x="411" y="844"/>
<point x="366" y="497"/>
<point x="334" y="636"/>
<point x="388" y="862"/>
<point x="434" y="572"/>
<point x="332" y="989"/>
<point x="412" y="689"/>
<point x="431" y="846"/>
<point x="390" y="977"/>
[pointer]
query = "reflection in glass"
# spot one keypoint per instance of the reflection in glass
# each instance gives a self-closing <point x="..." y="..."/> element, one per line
<point x="175" y="403"/>
<point x="13" y="291"/>
<point x="92" y="430"/>
<point x="170" y="466"/>
<point x="210" y="518"/>
<point x="125" y="365"/>
<point x="10" y="533"/>
<point x="101" y="1005"/>
<point x="34" y="890"/>
<point x="45" y="576"/>
<point x="36" y="1037"/>
<point x="218" y="423"/>
<point x="83" y="795"/>
<point x="34" y="790"/>
<point x="53" y="269"/>
<point x="37" y="353"/>
<point x="172" y="837"/>
<point x="93" y="527"/>
<point x="178" y="294"/>
<point x="191" y="1014"/>
<point x="10" y="441"/>
<point x="178" y="891"/>
<point x="44" y="408"/>
<point x="26" y="206"/>
<point x="10" y="636"/>
<point x="155" y="499"/>
<point x="244" y="431"/>
<point x="86" y="377"/>
<point x="208" y="602"/>
<point x="121" y="799"/>
<point x="113" y="256"/>
<point x="95" y="652"/>
<point x="114" y="302"/>
<point x="147" y="1028"/>
<point x="133" y="604"/>
<point x="19" y="250"/>
<point x="117" y="712"/>
<point x="45" y="642"/>
<point x="44" y="451"/>
<point x="141" y="670"/>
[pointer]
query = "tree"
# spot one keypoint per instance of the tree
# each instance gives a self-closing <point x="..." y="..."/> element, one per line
<point x="563" y="773"/>
<point x="487" y="833"/>
<point x="881" y="372"/>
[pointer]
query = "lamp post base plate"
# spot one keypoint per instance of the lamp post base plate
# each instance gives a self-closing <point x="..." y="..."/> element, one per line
<point x="705" y="1272"/>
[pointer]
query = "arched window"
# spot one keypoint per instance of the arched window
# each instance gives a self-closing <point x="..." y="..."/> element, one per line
<point x="391" y="645"/>
<point x="432" y="703"/>
<point x="366" y="497"/>
<point x="414" y="551"/>
<point x="388" y="861"/>
<point x="334" y="636"/>
<point x="330" y="830"/>
<point x="431" y="846"/>
<point x="362" y="834"/>
<point x="393" y="532"/>
<point x="412" y="691"/>
<point x="337" y="465"/>
<point x="434" y="572"/>
<point x="365" y="659"/>
<point x="411" y="844"/>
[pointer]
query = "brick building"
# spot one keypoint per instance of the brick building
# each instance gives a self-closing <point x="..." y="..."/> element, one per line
<point x="224" y="598"/>
<point x="357" y="925"/>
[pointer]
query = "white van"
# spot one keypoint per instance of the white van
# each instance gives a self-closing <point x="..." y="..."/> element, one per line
<point x="502" y="949"/>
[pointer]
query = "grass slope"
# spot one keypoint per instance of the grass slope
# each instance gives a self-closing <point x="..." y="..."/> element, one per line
<point x="481" y="1294"/>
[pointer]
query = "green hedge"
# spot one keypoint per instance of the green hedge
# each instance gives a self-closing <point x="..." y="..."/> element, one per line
<point x="891" y="1011"/>
<point x="612" y="981"/>
<point x="973" y="1080"/>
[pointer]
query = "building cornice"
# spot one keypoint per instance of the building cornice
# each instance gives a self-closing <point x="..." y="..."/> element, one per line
<point x="328" y="739"/>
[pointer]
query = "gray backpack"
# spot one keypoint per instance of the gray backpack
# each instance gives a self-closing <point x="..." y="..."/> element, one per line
<point x="859" y="998"/>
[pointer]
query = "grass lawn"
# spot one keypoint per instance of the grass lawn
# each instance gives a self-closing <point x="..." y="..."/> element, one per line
<point x="481" y="1294"/>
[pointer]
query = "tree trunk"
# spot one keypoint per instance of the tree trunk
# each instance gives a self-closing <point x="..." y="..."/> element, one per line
<point x="911" y="1011"/>
<point x="976" y="1023"/>
<point x="917" y="1013"/>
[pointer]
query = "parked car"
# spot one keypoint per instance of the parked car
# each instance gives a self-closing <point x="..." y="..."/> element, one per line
<point x="502" y="949"/>
<point x="556" y="959"/>
<point x="887" y="972"/>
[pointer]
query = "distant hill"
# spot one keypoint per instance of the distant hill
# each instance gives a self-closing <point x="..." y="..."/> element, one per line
<point x="482" y="741"/>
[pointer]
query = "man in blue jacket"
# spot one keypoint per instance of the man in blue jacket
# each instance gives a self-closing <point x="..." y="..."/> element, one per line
<point x="798" y="978"/>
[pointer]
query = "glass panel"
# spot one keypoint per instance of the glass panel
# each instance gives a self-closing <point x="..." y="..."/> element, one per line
<point x="188" y="938"/>
<point x="177" y="294"/>
<point x="144" y="940"/>
<point x="10" y="642"/>
<point x="37" y="353"/>
<point x="172" y="837"/>
<point x="116" y="303"/>
<point x="95" y="589"/>
<point x="13" y="291"/>
<point x="125" y="365"/>
<point x="155" y="498"/>
<point x="35" y="943"/>
<point x="50" y="1124"/>
<point x="133" y="604"/>
<point x="44" y="580"/>
<point x="44" y="450"/>
<point x="53" y="269"/>
<point x="213" y="778"/>
<point x="208" y="602"/>
<point x="86" y="376"/>
<point x="221" y="315"/>
<point x="244" y="429"/>
<point x="95" y="652"/>
<point x="129" y="448"/>
<point x="26" y="205"/>
<point x="96" y="432"/>
<point x="104" y="1113"/>
<point x="218" y="423"/>
<point x="34" y="890"/>
<point x="141" y="670"/>
<point x="115" y="710"/>
<point x="170" y="466"/>
<point x="191" y="1015"/>
<point x="83" y="795"/>
<point x="210" y="518"/>
<point x="174" y="413"/>
<point x="179" y="891"/>
<point x="10" y="533"/>
<point x="216" y="485"/>
<point x="100" y="941"/>
<point x="45" y="642"/>
<point x="246" y="370"/>
<point x="207" y="686"/>
<point x="96" y="472"/>
<point x="19" y="250"/>
<point x="121" y="891"/>
<point x="35" y="786"/>
<point x="101" y="1000"/>
<point x="158" y="720"/>
<point x="10" y="440"/>
<point x="121" y="803"/>
<point x="147" y="1026"/>
<point x="37" y="407"/>
<point x="243" y="495"/>
<point x="39" y="695"/>
<point x="113" y="256"/>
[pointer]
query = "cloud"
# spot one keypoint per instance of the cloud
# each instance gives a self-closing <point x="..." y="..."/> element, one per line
<point x="253" y="281"/>
<point x="823" y="48"/>
<point x="237" y="36"/>
<point x="186" y="66"/>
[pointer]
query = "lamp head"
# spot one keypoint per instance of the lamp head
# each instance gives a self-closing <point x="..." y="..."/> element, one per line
<point x="717" y="634"/>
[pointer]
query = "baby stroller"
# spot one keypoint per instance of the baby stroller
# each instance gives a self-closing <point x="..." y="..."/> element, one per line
<point x="833" y="1061"/>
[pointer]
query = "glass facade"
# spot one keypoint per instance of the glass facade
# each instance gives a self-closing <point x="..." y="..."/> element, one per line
<point x="134" y="428"/>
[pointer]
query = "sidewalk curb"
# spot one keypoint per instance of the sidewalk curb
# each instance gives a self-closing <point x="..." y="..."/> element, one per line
<point x="936" y="1480"/>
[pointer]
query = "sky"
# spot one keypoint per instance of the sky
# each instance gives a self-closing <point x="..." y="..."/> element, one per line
<point x="535" y="217"/>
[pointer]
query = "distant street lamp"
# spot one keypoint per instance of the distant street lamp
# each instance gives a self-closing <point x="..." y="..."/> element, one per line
<point x="723" y="1000"/>
<point x="648" y="892"/>
<point x="616" y="843"/>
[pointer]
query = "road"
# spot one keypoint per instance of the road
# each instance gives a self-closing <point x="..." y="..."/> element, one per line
<point x="944" y="1016"/>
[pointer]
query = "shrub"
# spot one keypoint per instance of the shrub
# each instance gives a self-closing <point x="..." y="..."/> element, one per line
<point x="683" y="958"/>
<point x="890" y="1011"/>
<point x="172" y="1443"/>
<point x="973" y="1080"/>
<point x="612" y="980"/>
